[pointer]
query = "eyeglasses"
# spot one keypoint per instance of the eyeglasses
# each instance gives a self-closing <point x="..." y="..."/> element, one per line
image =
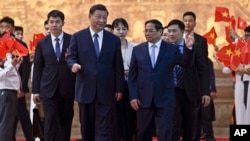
<point x="149" y="30"/>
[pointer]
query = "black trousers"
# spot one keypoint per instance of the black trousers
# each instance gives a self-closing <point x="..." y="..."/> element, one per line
<point x="184" y="117"/>
<point x="96" y="121"/>
<point x="58" y="118"/>
<point x="8" y="106"/>
<point x="24" y="118"/>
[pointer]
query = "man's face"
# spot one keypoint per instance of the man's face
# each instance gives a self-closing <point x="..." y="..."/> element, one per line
<point x="46" y="29"/>
<point x="151" y="34"/>
<point x="98" y="20"/>
<point x="189" y="23"/>
<point x="4" y="27"/>
<point x="18" y="34"/>
<point x="55" y="25"/>
<point x="247" y="36"/>
<point x="175" y="34"/>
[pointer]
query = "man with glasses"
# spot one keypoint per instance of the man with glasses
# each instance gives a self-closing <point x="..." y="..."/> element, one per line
<point x="151" y="82"/>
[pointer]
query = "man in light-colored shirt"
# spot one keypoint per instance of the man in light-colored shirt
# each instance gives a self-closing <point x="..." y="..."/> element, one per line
<point x="9" y="86"/>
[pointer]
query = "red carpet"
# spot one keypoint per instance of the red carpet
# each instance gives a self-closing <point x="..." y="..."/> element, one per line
<point x="218" y="139"/>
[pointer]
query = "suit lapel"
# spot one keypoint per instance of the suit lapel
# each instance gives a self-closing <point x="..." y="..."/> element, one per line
<point x="50" y="47"/>
<point x="88" y="42"/>
<point x="64" y="46"/>
<point x="145" y="51"/>
<point x="162" y="51"/>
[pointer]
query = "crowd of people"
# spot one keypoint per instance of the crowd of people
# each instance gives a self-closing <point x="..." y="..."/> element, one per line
<point x="125" y="91"/>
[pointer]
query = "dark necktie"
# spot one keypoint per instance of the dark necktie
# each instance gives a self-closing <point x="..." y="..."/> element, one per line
<point x="58" y="52"/>
<point x="96" y="44"/>
<point x="152" y="56"/>
<point x="246" y="84"/>
<point x="178" y="73"/>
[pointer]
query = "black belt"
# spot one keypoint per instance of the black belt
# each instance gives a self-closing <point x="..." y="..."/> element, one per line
<point x="9" y="90"/>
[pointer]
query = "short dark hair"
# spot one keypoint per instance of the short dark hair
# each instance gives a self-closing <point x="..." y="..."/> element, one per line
<point x="157" y="23"/>
<point x="177" y="22"/>
<point x="8" y="20"/>
<point x="56" y="13"/>
<point x="247" y="29"/>
<point x="189" y="13"/>
<point x="18" y="28"/>
<point x="45" y="22"/>
<point x="98" y="7"/>
<point x="108" y="26"/>
<point x="116" y="22"/>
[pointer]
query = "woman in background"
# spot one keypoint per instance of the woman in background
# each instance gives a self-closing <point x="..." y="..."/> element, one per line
<point x="125" y="118"/>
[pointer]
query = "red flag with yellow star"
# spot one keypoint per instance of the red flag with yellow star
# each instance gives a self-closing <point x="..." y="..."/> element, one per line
<point x="236" y="58"/>
<point x="241" y="24"/>
<point x="225" y="53"/>
<point x="211" y="36"/>
<point x="222" y="14"/>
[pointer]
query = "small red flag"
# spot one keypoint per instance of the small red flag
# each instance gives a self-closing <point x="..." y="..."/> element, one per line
<point x="211" y="36"/>
<point x="222" y="14"/>
<point x="236" y="58"/>
<point x="225" y="53"/>
<point x="241" y="24"/>
<point x="36" y="38"/>
<point x="13" y="44"/>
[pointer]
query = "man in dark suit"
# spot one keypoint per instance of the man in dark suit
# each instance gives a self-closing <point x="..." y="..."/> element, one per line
<point x="53" y="81"/>
<point x="188" y="86"/>
<point x="151" y="83"/>
<point x="95" y="56"/>
<point x="189" y="19"/>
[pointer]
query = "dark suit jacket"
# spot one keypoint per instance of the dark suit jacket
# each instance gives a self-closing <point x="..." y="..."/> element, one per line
<point x="50" y="74"/>
<point x="155" y="84"/>
<point x="24" y="70"/>
<point x="99" y="77"/>
<point x="196" y="78"/>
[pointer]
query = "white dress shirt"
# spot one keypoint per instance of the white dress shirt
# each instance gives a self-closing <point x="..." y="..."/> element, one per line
<point x="157" y="48"/>
<point x="126" y="55"/>
<point x="53" y="39"/>
<point x="100" y="37"/>
<point x="9" y="76"/>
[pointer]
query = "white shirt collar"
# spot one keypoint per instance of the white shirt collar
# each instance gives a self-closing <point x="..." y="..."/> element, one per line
<point x="158" y="44"/>
<point x="100" y="33"/>
<point x="53" y="38"/>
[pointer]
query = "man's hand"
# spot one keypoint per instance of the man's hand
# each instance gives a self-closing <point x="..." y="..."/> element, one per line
<point x="189" y="40"/>
<point x="118" y="96"/>
<point x="135" y="104"/>
<point x="20" y="94"/>
<point x="75" y="68"/>
<point x="205" y="100"/>
<point x="213" y="95"/>
<point x="16" y="61"/>
<point x="36" y="99"/>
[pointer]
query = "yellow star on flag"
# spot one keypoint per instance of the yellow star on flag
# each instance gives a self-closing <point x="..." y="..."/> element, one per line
<point x="237" y="52"/>
<point x="225" y="14"/>
<point x="212" y="35"/>
<point x="229" y="52"/>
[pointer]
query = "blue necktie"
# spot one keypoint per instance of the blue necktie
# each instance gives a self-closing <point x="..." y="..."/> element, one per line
<point x="152" y="56"/>
<point x="96" y="44"/>
<point x="58" y="52"/>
